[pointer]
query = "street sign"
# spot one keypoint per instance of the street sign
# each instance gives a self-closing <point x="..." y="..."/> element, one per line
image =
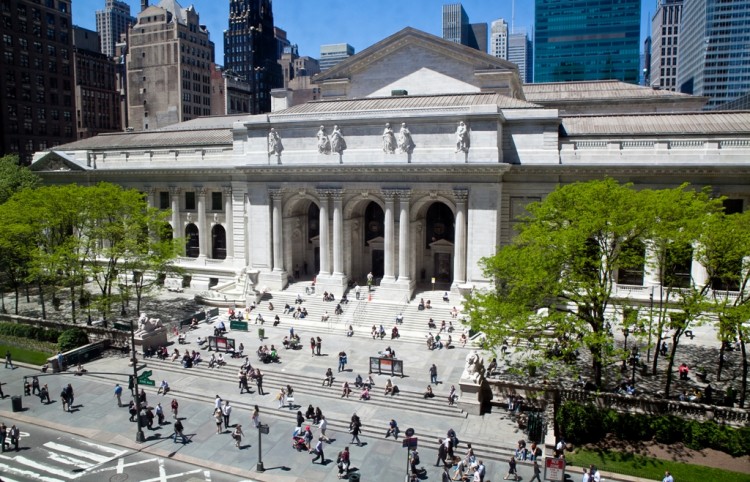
<point x="144" y="379"/>
<point x="264" y="429"/>
<point x="409" y="442"/>
<point x="554" y="469"/>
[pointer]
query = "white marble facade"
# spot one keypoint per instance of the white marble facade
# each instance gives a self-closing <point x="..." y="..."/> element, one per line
<point x="326" y="194"/>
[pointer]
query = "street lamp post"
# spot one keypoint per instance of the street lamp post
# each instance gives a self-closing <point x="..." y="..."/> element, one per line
<point x="262" y="429"/>
<point x="650" y="323"/>
<point x="139" y="436"/>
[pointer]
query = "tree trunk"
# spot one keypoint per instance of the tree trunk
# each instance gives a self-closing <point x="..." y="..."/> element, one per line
<point x="670" y="365"/>
<point x="656" y="350"/>
<point x="73" y="303"/>
<point x="721" y="361"/>
<point x="743" y="383"/>
<point x="41" y="300"/>
<point x="17" y="300"/>
<point x="28" y="295"/>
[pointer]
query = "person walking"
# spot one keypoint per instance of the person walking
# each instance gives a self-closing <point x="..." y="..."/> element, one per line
<point x="452" y="396"/>
<point x="8" y="360"/>
<point x="14" y="435"/>
<point x="433" y="374"/>
<point x="537" y="472"/>
<point x="243" y="383"/>
<point x="69" y="391"/>
<point x="64" y="400"/>
<point x="159" y="413"/>
<point x="255" y="417"/>
<point x="237" y="435"/>
<point x="175" y="407"/>
<point x="179" y="431"/>
<point x="323" y="426"/>
<point x="442" y="453"/>
<point x="511" y="469"/>
<point x="342" y="360"/>
<point x="312" y="345"/>
<point x="35" y="390"/>
<point x="226" y="411"/>
<point x="318" y="343"/>
<point x="142" y="398"/>
<point x="356" y="429"/>
<point x="343" y="461"/>
<point x="118" y="394"/>
<point x="319" y="452"/>
<point x="219" y="419"/>
<point x="2" y="395"/>
<point x="3" y="435"/>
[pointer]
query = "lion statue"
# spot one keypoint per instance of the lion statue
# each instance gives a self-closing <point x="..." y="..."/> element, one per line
<point x="148" y="325"/>
<point x="474" y="369"/>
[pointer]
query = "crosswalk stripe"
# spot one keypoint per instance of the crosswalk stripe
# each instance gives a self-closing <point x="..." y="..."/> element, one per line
<point x="46" y="468"/>
<point x="115" y="452"/>
<point x="7" y="469"/>
<point x="67" y="460"/>
<point x="79" y="453"/>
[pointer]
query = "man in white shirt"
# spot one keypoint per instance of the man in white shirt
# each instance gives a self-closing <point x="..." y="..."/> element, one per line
<point x="586" y="477"/>
<point x="323" y="426"/>
<point x="226" y="411"/>
<point x="668" y="477"/>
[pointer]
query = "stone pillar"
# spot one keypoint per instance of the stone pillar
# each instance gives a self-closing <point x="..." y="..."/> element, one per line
<point x="202" y="224"/>
<point x="325" y="265"/>
<point x="698" y="272"/>
<point x="459" y="251"/>
<point x="389" y="274"/>
<point x="151" y="198"/>
<point x="174" y="193"/>
<point x="338" y="232"/>
<point x="278" y="250"/>
<point x="229" y="217"/>
<point x="403" y="236"/>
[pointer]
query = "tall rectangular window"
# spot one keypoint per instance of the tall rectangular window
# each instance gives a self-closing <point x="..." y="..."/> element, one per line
<point x="190" y="200"/>
<point x="216" y="201"/>
<point x="164" y="200"/>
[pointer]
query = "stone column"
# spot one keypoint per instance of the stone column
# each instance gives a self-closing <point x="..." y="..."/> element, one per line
<point x="174" y="193"/>
<point x="229" y="216"/>
<point x="403" y="236"/>
<point x="325" y="265"/>
<point x="151" y="196"/>
<point x="278" y="251"/>
<point x="202" y="224"/>
<point x="390" y="197"/>
<point x="338" y="232"/>
<point x="459" y="251"/>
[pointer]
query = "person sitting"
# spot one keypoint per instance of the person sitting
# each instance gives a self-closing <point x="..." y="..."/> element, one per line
<point x="201" y="341"/>
<point x="286" y="342"/>
<point x="350" y="331"/>
<point x="80" y="370"/>
<point x="431" y="324"/>
<point x="163" y="388"/>
<point x="276" y="320"/>
<point x="365" y="395"/>
<point x="442" y="326"/>
<point x="450" y="327"/>
<point x="182" y="338"/>
<point x="454" y="312"/>
<point x="288" y="309"/>
<point x="388" y="352"/>
<point x="197" y="358"/>
<point x="212" y="361"/>
<point x="684" y="370"/>
<point x="310" y="413"/>
<point x="331" y="297"/>
<point x="381" y="332"/>
<point x="430" y="342"/>
<point x="438" y="343"/>
<point x="270" y="306"/>
<point x="339" y="310"/>
<point x="297" y="312"/>
<point x="175" y="354"/>
<point x="394" y="333"/>
<point x="374" y="331"/>
<point x="240" y="351"/>
<point x="400" y="318"/>
<point x="358" y="381"/>
<point x="448" y="343"/>
<point x="304" y="313"/>
<point x="445" y="297"/>
<point x="345" y="390"/>
<point x="274" y="355"/>
<point x="464" y="339"/>
<point x="220" y="360"/>
<point x="388" y="387"/>
<point x="187" y="362"/>
<point x="428" y="393"/>
<point x="298" y="300"/>
<point x="428" y="305"/>
<point x="369" y="383"/>
<point x="328" y="380"/>
<point x="260" y="319"/>
<point x="232" y="315"/>
<point x="420" y="307"/>
<point x="45" y="367"/>
<point x="492" y="367"/>
<point x="325" y="316"/>
<point x="219" y="329"/>
<point x="344" y="299"/>
<point x="194" y="324"/>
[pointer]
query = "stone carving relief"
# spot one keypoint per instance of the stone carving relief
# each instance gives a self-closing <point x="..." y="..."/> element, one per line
<point x="324" y="145"/>
<point x="338" y="143"/>
<point x="463" y="141"/>
<point x="274" y="143"/>
<point x="389" y="140"/>
<point x="405" y="142"/>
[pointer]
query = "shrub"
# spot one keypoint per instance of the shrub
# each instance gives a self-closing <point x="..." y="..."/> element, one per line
<point x="668" y="429"/>
<point x="31" y="332"/>
<point x="72" y="338"/>
<point x="580" y="423"/>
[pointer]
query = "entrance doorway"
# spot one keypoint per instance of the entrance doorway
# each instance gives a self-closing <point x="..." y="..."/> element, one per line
<point x="378" y="263"/>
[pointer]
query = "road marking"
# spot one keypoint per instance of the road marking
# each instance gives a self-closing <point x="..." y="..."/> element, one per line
<point x="99" y="459"/>
<point x="31" y="463"/>
<point x="104" y="448"/>
<point x="7" y="469"/>
<point x="121" y="465"/>
<point x="163" y="477"/>
<point x="66" y="460"/>
<point x="207" y="475"/>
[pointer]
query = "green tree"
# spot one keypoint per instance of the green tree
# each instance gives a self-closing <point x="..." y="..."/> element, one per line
<point x="17" y="239"/>
<point x="565" y="258"/>
<point x="14" y="177"/>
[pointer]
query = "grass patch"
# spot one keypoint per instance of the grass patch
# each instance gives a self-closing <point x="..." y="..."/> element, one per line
<point x="648" y="467"/>
<point x="26" y="354"/>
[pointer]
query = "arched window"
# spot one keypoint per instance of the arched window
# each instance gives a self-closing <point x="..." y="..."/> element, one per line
<point x="192" y="241"/>
<point x="218" y="242"/>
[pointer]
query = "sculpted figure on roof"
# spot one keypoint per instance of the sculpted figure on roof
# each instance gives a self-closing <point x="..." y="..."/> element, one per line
<point x="405" y="142"/>
<point x="324" y="145"/>
<point x="462" y="138"/>
<point x="274" y="142"/>
<point x="389" y="139"/>
<point x="338" y="143"/>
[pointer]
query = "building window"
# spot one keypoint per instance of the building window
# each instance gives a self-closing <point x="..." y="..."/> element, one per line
<point x="190" y="201"/>
<point x="216" y="201"/>
<point x="163" y="200"/>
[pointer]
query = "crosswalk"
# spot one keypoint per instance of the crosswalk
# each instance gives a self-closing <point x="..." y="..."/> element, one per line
<point x="65" y="458"/>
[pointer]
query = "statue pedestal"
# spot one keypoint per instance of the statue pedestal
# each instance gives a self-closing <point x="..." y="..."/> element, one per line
<point x="152" y="339"/>
<point x="473" y="396"/>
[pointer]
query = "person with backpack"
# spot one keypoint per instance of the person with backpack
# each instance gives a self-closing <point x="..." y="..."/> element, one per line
<point x="342" y="461"/>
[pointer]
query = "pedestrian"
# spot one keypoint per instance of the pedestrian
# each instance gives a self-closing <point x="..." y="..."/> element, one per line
<point x="64" y="400"/>
<point x="312" y="345"/>
<point x="433" y="374"/>
<point x="452" y="396"/>
<point x="175" y="406"/>
<point x="392" y="429"/>
<point x="586" y="477"/>
<point x="594" y="475"/>
<point x="667" y="476"/>
<point x="511" y="469"/>
<point x="442" y="453"/>
<point x="164" y="387"/>
<point x="142" y="398"/>
<point x="44" y="394"/>
<point x="342" y="360"/>
<point x="2" y="395"/>
<point x="226" y="411"/>
<point x="60" y="361"/>
<point x="342" y="461"/>
<point x="243" y="383"/>
<point x="178" y="431"/>
<point x="118" y="394"/>
<point x="318" y="343"/>
<point x="319" y="452"/>
<point x="259" y="381"/>
<point x="3" y="435"/>
<point x="149" y="419"/>
<point x="132" y="411"/>
<point x="8" y="360"/>
<point x="217" y="402"/>
<point x="35" y="385"/>
<point x="218" y="418"/>
<point x="323" y="426"/>
<point x="69" y="390"/>
<point x="281" y="397"/>
<point x="355" y="429"/>
<point x="159" y="413"/>
<point x="255" y="417"/>
<point x="537" y="471"/>
<point x="481" y="471"/>
<point x="14" y="435"/>
<point x="237" y="435"/>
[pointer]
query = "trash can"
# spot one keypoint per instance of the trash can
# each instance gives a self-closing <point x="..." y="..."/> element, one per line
<point x="261" y="333"/>
<point x="16" y="403"/>
<point x="354" y="477"/>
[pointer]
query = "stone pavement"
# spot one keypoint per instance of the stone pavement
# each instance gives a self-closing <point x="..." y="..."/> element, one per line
<point x="492" y="435"/>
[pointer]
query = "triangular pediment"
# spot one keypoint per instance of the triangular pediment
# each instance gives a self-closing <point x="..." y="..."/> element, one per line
<point x="419" y="63"/>
<point x="55" y="161"/>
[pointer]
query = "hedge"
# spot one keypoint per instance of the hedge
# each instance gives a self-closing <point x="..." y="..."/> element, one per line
<point x="72" y="338"/>
<point x="29" y="331"/>
<point x="585" y="423"/>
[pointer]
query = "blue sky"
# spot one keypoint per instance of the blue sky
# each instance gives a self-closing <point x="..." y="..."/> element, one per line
<point x="359" y="23"/>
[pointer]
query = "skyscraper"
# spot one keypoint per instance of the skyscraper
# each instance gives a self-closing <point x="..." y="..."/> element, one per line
<point x="332" y="54"/>
<point x="665" y="28"/>
<point x="251" y="51"/>
<point x="456" y="28"/>
<point x="499" y="39"/>
<point x="112" y="22"/>
<point x="520" y="52"/>
<point x="713" y="58"/>
<point x="168" y="67"/>
<point x="587" y="40"/>
<point x="36" y="79"/>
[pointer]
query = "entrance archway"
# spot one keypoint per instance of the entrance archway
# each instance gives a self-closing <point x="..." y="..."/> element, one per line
<point x="192" y="241"/>
<point x="374" y="227"/>
<point x="439" y="242"/>
<point x="218" y="242"/>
